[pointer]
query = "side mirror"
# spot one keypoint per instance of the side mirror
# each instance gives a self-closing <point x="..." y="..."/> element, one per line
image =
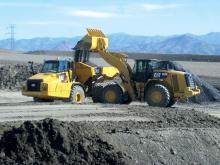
<point x="31" y="68"/>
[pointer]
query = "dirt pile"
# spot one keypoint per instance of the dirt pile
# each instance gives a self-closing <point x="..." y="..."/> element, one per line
<point x="174" y="136"/>
<point x="53" y="142"/>
<point x="208" y="92"/>
<point x="171" y="136"/>
<point x="12" y="76"/>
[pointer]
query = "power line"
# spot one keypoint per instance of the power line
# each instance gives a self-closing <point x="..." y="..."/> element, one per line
<point x="12" y="35"/>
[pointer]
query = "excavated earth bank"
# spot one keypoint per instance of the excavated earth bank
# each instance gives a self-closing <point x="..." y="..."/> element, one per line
<point x="172" y="136"/>
<point x="54" y="142"/>
<point x="12" y="76"/>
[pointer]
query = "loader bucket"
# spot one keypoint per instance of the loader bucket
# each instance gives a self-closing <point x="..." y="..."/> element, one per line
<point x="94" y="40"/>
<point x="99" y="40"/>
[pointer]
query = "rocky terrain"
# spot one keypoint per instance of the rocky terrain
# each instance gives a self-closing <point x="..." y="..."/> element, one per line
<point x="12" y="76"/>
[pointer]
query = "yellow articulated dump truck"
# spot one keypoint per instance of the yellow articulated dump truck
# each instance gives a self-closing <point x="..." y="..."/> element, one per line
<point x="69" y="80"/>
<point x="151" y="81"/>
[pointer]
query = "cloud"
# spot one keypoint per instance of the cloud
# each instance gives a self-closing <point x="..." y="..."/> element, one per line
<point x="152" y="7"/>
<point x="91" y="14"/>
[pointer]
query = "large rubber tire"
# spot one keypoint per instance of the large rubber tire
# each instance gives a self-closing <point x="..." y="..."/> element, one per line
<point x="36" y="99"/>
<point x="97" y="93"/>
<point x="126" y="98"/>
<point x="112" y="94"/>
<point x="77" y="95"/>
<point x="157" y="95"/>
<point x="171" y="103"/>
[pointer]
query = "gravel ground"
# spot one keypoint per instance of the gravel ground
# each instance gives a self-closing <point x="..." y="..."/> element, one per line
<point x="108" y="134"/>
<point x="166" y="136"/>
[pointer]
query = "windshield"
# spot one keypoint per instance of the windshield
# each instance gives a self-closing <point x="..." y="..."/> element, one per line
<point x="50" y="66"/>
<point x="164" y="65"/>
<point x="142" y="66"/>
<point x="55" y="66"/>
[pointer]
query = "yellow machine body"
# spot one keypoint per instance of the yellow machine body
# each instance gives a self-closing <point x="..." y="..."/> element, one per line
<point x="95" y="41"/>
<point x="175" y="81"/>
<point x="52" y="87"/>
<point x="83" y="71"/>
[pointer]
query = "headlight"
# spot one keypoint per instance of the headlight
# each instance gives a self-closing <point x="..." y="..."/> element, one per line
<point x="63" y="78"/>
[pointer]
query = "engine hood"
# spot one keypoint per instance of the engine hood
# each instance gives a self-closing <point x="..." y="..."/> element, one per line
<point x="45" y="77"/>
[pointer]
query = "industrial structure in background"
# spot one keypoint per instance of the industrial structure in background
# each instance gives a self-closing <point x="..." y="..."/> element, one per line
<point x="152" y="81"/>
<point x="12" y="36"/>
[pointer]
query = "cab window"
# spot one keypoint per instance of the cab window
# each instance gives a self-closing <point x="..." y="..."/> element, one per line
<point x="141" y="67"/>
<point x="50" y="66"/>
<point x="64" y="66"/>
<point x="55" y="66"/>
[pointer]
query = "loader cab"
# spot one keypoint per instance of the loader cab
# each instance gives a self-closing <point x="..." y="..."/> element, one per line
<point x="56" y="66"/>
<point x="143" y="69"/>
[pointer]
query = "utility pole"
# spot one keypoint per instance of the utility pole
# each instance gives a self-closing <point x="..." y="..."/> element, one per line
<point x="12" y="35"/>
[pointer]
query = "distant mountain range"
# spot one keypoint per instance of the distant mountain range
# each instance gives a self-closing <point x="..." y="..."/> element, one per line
<point x="208" y="44"/>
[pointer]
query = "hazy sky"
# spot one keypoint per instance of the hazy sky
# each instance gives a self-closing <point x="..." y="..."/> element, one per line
<point x="68" y="18"/>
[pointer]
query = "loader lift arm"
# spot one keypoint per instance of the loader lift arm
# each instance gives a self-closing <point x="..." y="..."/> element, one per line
<point x="96" y="41"/>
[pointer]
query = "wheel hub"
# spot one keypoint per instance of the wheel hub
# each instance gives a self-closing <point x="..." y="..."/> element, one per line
<point x="110" y="96"/>
<point x="78" y="98"/>
<point x="156" y="97"/>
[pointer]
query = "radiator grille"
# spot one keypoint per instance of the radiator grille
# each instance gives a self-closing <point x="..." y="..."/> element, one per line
<point x="33" y="85"/>
<point x="189" y="81"/>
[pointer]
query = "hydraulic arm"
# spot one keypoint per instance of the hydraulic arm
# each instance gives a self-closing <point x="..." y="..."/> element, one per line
<point x="96" y="41"/>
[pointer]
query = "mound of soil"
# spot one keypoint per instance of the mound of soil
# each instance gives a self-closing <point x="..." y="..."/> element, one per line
<point x="208" y="92"/>
<point x="12" y="76"/>
<point x="53" y="142"/>
<point x="172" y="136"/>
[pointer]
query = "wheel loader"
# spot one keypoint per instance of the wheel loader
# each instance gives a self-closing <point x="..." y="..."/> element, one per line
<point x="151" y="81"/>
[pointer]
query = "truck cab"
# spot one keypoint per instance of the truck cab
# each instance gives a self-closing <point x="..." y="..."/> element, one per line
<point x="53" y="81"/>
